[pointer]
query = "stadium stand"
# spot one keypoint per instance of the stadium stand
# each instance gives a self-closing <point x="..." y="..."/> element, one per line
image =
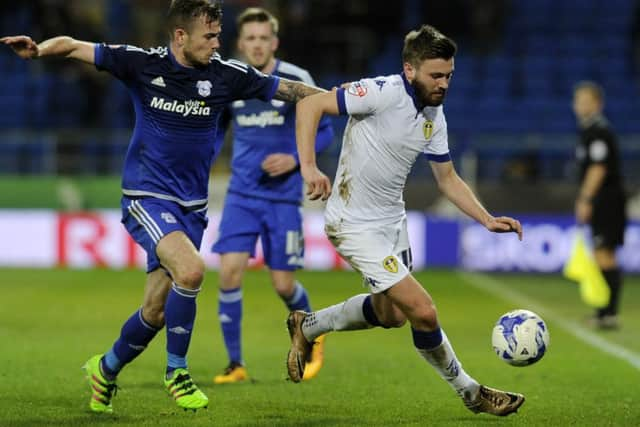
<point x="509" y="98"/>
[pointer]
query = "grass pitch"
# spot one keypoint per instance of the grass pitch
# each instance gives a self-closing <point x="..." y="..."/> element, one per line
<point x="52" y="321"/>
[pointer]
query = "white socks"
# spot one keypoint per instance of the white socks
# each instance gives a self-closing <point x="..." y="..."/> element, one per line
<point x="445" y="362"/>
<point x="436" y="348"/>
<point x="345" y="316"/>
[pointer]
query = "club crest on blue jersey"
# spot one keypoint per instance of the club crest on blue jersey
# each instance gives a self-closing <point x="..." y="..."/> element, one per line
<point x="204" y="87"/>
<point x="427" y="129"/>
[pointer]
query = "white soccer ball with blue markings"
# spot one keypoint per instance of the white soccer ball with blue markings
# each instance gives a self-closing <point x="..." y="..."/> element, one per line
<point x="520" y="338"/>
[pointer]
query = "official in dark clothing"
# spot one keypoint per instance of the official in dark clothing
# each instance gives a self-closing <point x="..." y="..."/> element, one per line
<point x="601" y="200"/>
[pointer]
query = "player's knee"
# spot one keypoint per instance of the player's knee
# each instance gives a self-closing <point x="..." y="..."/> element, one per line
<point x="191" y="274"/>
<point x="284" y="289"/>
<point x="191" y="278"/>
<point x="230" y="276"/>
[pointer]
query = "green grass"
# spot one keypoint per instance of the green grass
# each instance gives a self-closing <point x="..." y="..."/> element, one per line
<point x="51" y="321"/>
<point x="51" y="192"/>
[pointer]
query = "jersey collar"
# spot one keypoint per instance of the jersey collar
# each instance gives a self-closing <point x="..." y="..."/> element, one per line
<point x="179" y="65"/>
<point x="411" y="92"/>
<point x="597" y="118"/>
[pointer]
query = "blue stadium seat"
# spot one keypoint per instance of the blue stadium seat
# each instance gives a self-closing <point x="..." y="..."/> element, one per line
<point x="13" y="111"/>
<point x="575" y="68"/>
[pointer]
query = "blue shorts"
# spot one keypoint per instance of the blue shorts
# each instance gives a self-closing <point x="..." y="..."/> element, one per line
<point x="279" y="225"/>
<point x="148" y="219"/>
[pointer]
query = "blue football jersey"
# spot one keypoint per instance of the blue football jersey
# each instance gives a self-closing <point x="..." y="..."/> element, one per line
<point x="177" y="117"/>
<point x="261" y="128"/>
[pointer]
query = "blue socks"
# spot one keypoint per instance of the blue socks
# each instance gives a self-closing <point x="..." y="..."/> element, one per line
<point x="136" y="333"/>
<point x="299" y="300"/>
<point x="179" y="314"/>
<point x="230" y="315"/>
<point x="134" y="337"/>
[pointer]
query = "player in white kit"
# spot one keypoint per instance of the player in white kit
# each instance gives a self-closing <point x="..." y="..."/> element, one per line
<point x="392" y="120"/>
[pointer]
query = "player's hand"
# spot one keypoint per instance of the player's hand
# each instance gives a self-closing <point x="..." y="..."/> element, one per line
<point x="505" y="224"/>
<point x="23" y="46"/>
<point x="583" y="211"/>
<point x="318" y="184"/>
<point x="278" y="164"/>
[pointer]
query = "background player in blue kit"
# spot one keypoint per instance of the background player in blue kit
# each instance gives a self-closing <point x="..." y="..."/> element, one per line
<point x="179" y="93"/>
<point x="265" y="193"/>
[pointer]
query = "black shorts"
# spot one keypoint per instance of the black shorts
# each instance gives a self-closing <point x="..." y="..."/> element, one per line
<point x="609" y="220"/>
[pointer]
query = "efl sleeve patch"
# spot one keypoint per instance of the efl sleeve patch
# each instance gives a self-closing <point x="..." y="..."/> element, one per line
<point x="358" y="89"/>
<point x="359" y="98"/>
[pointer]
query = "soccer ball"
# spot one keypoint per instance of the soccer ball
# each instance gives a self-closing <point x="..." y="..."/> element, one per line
<point x="520" y="338"/>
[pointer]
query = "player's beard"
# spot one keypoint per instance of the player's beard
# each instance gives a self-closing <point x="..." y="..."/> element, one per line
<point x="194" y="60"/>
<point x="261" y="66"/>
<point x="425" y="96"/>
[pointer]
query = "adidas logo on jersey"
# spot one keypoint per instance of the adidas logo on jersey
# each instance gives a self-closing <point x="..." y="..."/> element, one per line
<point x="158" y="81"/>
<point x="186" y="108"/>
<point x="265" y="118"/>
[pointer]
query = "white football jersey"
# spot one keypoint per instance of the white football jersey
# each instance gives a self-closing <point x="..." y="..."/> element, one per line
<point x="384" y="135"/>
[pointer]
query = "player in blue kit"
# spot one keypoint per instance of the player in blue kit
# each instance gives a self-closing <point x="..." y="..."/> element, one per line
<point x="178" y="92"/>
<point x="265" y="193"/>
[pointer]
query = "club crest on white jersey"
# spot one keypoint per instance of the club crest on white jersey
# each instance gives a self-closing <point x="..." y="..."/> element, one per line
<point x="427" y="129"/>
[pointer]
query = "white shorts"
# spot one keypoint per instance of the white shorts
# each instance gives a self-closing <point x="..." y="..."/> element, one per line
<point x="382" y="254"/>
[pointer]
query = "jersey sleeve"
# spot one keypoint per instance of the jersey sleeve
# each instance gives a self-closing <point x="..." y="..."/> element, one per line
<point x="599" y="149"/>
<point x="245" y="82"/>
<point x="366" y="96"/>
<point x="438" y="148"/>
<point x="122" y="61"/>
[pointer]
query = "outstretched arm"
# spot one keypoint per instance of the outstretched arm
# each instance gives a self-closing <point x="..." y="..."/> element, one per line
<point x="459" y="193"/>
<point x="62" y="46"/>
<point x="293" y="91"/>
<point x="308" y="114"/>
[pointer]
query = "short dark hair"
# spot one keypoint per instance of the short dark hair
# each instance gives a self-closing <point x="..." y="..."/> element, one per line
<point x="592" y="87"/>
<point x="182" y="13"/>
<point x="257" y="14"/>
<point x="427" y="43"/>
